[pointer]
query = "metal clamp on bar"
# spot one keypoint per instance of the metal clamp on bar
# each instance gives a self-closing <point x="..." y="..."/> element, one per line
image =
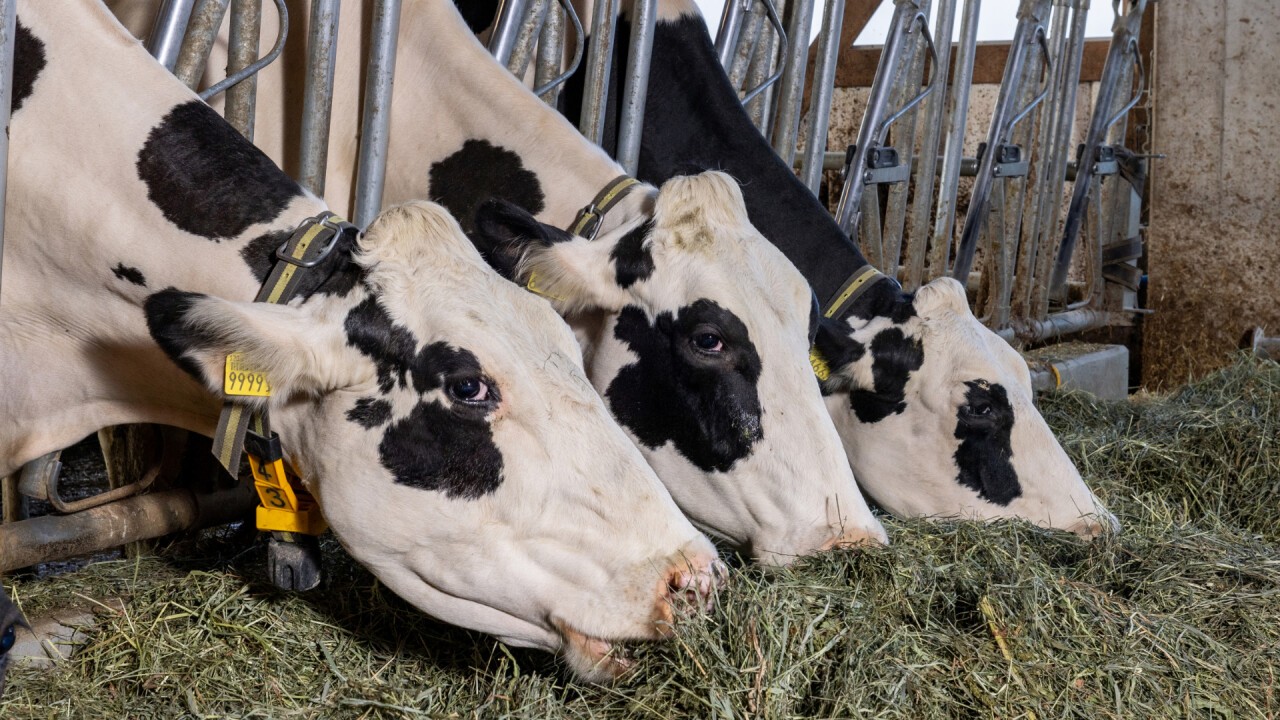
<point x="285" y="505"/>
<point x="883" y="166"/>
<point x="1009" y="160"/>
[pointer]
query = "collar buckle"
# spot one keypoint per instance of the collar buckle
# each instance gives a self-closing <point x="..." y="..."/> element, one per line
<point x="327" y="223"/>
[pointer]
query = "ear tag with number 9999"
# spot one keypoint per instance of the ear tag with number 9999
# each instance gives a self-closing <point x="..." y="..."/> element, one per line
<point x="241" y="379"/>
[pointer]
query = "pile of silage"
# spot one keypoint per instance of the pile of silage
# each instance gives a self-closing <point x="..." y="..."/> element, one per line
<point x="1177" y="617"/>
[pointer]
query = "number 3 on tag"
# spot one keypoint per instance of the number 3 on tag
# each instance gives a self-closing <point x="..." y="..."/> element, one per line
<point x="241" y="379"/>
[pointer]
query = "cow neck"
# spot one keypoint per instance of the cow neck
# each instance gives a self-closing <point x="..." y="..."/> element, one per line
<point x="486" y="135"/>
<point x="694" y="122"/>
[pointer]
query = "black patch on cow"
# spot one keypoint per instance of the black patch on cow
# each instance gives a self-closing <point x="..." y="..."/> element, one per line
<point x="708" y="406"/>
<point x="28" y="61"/>
<point x="503" y="230"/>
<point x="130" y="274"/>
<point x="631" y="259"/>
<point x="435" y="448"/>
<point x="894" y="356"/>
<point x="206" y="178"/>
<point x="837" y="347"/>
<point x="167" y="322"/>
<point x="370" y="412"/>
<point x="335" y="275"/>
<point x="391" y="347"/>
<point x="479" y="14"/>
<point x="984" y="426"/>
<point x="477" y="172"/>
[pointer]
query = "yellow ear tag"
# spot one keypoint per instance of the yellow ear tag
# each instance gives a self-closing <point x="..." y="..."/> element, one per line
<point x="819" y="363"/>
<point x="241" y="379"/>
<point x="532" y="286"/>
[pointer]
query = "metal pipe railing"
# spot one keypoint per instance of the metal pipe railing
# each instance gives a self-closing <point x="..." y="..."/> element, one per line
<point x="511" y="17"/>
<point x="730" y="29"/>
<point x="934" y="113"/>
<point x="246" y="27"/>
<point x="791" y="87"/>
<point x="170" y="27"/>
<point x="550" y="53"/>
<point x="202" y="30"/>
<point x="820" y="97"/>
<point x="1043" y="238"/>
<point x="524" y="48"/>
<point x="636" y="86"/>
<point x="1030" y="29"/>
<point x="1124" y="41"/>
<point x="595" y="95"/>
<point x="317" y="98"/>
<point x="375" y="121"/>
<point x="953" y="148"/>
<point x="875" y="122"/>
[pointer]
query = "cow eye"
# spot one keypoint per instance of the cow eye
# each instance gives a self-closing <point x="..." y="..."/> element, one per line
<point x="469" y="390"/>
<point x="708" y="342"/>
<point x="7" y="639"/>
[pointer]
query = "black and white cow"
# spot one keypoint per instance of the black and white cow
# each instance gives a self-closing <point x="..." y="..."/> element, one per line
<point x="10" y="621"/>
<point x="935" y="410"/>
<point x="439" y="413"/>
<point x="694" y="328"/>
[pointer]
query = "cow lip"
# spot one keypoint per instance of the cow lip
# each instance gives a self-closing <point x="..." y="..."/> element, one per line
<point x="607" y="659"/>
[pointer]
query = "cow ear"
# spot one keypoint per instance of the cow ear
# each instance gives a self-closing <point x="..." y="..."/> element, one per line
<point x="506" y="232"/>
<point x="834" y="346"/>
<point x="294" y="353"/>
<point x="572" y="272"/>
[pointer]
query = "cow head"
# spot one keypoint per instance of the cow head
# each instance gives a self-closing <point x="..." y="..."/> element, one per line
<point x="694" y="329"/>
<point x="10" y="621"/>
<point x="937" y="416"/>
<point x="442" y="419"/>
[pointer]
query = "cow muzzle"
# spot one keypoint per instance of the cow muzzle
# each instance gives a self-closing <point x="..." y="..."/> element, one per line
<point x="687" y="587"/>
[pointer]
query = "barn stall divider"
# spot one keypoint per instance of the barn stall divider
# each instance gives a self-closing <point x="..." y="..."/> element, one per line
<point x="1011" y="230"/>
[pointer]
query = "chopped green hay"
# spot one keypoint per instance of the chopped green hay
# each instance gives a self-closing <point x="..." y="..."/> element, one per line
<point x="1179" y="616"/>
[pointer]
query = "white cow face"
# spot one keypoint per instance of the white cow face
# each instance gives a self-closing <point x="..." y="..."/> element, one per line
<point x="695" y="329"/>
<point x="936" y="414"/>
<point x="442" y="418"/>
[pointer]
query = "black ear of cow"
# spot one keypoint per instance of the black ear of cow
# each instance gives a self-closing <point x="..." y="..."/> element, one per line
<point x="833" y="342"/>
<point x="504" y="231"/>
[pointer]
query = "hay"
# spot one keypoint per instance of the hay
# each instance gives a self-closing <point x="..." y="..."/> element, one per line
<point x="1177" y="617"/>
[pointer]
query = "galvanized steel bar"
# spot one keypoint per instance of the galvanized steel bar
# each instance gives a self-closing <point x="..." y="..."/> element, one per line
<point x="895" y="211"/>
<point x="375" y="120"/>
<point x="595" y="95"/>
<point x="730" y="29"/>
<point x="772" y="14"/>
<point x="791" y="88"/>
<point x="246" y="27"/>
<point x="550" y="53"/>
<point x="317" y="98"/>
<point x="636" y="88"/>
<point x="756" y="96"/>
<point x="1043" y="238"/>
<point x="1031" y="17"/>
<point x="551" y="58"/>
<point x="820" y="97"/>
<point x="202" y="30"/>
<point x="953" y="149"/>
<point x="524" y="49"/>
<point x="170" y="27"/>
<point x="848" y="211"/>
<point x="9" y="38"/>
<point x="1123" y="42"/>
<point x="927" y="162"/>
<point x="143" y="517"/>
<point x="502" y="40"/>
<point x="745" y="49"/>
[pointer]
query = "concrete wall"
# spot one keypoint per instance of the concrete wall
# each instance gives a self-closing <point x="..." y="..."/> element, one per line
<point x="1214" y="240"/>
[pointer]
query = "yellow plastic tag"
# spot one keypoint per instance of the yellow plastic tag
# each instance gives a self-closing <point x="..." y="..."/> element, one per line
<point x="532" y="286"/>
<point x="819" y="363"/>
<point x="241" y="379"/>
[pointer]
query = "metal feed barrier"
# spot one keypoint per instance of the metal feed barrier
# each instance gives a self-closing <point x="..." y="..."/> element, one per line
<point x="910" y="140"/>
